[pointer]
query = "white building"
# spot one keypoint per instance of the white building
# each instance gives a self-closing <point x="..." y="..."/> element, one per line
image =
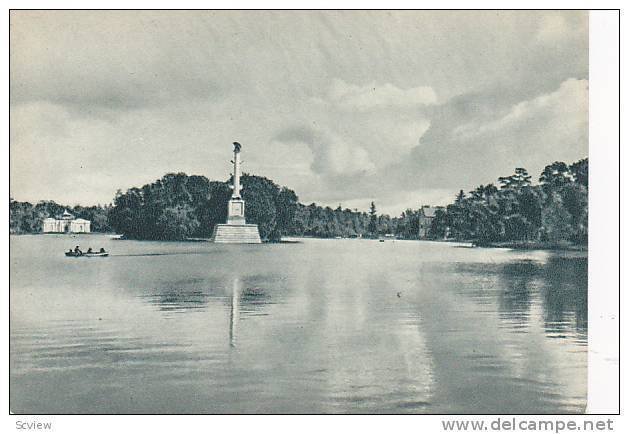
<point x="67" y="223"/>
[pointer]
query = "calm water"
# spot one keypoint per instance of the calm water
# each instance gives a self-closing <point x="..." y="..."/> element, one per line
<point x="324" y="326"/>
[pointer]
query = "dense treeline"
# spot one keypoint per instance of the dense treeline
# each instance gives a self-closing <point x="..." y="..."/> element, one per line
<point x="25" y="217"/>
<point x="317" y="221"/>
<point x="325" y="222"/>
<point x="554" y="211"/>
<point x="179" y="206"/>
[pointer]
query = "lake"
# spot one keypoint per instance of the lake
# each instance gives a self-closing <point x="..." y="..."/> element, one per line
<point x="321" y="326"/>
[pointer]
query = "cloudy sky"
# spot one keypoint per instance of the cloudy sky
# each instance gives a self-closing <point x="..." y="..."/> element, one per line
<point x="404" y="108"/>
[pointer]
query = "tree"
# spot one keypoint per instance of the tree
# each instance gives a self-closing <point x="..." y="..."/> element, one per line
<point x="179" y="206"/>
<point x="439" y="226"/>
<point x="176" y="223"/>
<point x="407" y="225"/>
<point x="554" y="177"/>
<point x="170" y="208"/>
<point x="373" y="220"/>
<point x="556" y="209"/>
<point x="517" y="181"/>
<point x="260" y="194"/>
<point x="460" y="197"/>
<point x="556" y="220"/>
<point x="286" y="205"/>
<point x="519" y="206"/>
<point x="579" y="172"/>
<point x="25" y="217"/>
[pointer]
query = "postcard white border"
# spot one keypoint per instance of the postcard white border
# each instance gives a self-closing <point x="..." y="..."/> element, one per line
<point x="603" y="254"/>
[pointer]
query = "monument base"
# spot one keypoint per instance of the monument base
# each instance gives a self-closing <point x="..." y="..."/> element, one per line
<point x="236" y="234"/>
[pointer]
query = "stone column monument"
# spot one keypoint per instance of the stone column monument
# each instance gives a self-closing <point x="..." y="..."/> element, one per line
<point x="236" y="230"/>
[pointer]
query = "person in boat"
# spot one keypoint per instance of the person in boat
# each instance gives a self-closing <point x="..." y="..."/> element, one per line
<point x="102" y="250"/>
<point x="89" y="250"/>
<point x="78" y="251"/>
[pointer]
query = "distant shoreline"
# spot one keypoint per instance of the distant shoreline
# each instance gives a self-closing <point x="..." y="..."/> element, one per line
<point x="514" y="245"/>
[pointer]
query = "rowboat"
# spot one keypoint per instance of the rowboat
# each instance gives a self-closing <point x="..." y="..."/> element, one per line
<point x="87" y="255"/>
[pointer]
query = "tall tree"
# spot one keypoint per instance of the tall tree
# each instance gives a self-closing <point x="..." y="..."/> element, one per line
<point x="556" y="220"/>
<point x="373" y="220"/>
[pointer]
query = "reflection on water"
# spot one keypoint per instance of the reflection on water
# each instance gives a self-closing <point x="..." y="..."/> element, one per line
<point x="565" y="296"/>
<point x="175" y="300"/>
<point x="557" y="285"/>
<point x="519" y="283"/>
<point x="338" y="326"/>
<point x="234" y="312"/>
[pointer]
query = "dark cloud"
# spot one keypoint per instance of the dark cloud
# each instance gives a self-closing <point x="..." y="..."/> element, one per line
<point x="341" y="105"/>
<point x="98" y="93"/>
<point x="297" y="134"/>
<point x="475" y="138"/>
<point x="90" y="61"/>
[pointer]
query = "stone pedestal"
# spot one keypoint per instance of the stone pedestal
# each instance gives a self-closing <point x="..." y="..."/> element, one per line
<point x="236" y="230"/>
<point x="236" y="234"/>
<point x="236" y="212"/>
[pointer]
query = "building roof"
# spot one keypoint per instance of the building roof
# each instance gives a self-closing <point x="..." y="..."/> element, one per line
<point x="66" y="215"/>
<point x="81" y="220"/>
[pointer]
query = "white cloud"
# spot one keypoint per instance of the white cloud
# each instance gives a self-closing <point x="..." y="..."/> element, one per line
<point x="373" y="96"/>
<point x="377" y="118"/>
<point x="332" y="156"/>
<point x="530" y="133"/>
<point x="340" y="158"/>
<point x="144" y="93"/>
<point x="564" y="110"/>
<point x="410" y="134"/>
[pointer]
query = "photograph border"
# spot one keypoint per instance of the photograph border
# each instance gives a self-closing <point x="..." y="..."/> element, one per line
<point x="328" y="414"/>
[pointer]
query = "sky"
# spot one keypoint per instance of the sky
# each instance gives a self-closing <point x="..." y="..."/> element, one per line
<point x="344" y="107"/>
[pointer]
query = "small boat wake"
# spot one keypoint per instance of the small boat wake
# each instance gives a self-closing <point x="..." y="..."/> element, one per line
<point x="163" y="254"/>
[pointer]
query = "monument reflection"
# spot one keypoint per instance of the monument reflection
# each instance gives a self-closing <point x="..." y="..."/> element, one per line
<point x="234" y="312"/>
